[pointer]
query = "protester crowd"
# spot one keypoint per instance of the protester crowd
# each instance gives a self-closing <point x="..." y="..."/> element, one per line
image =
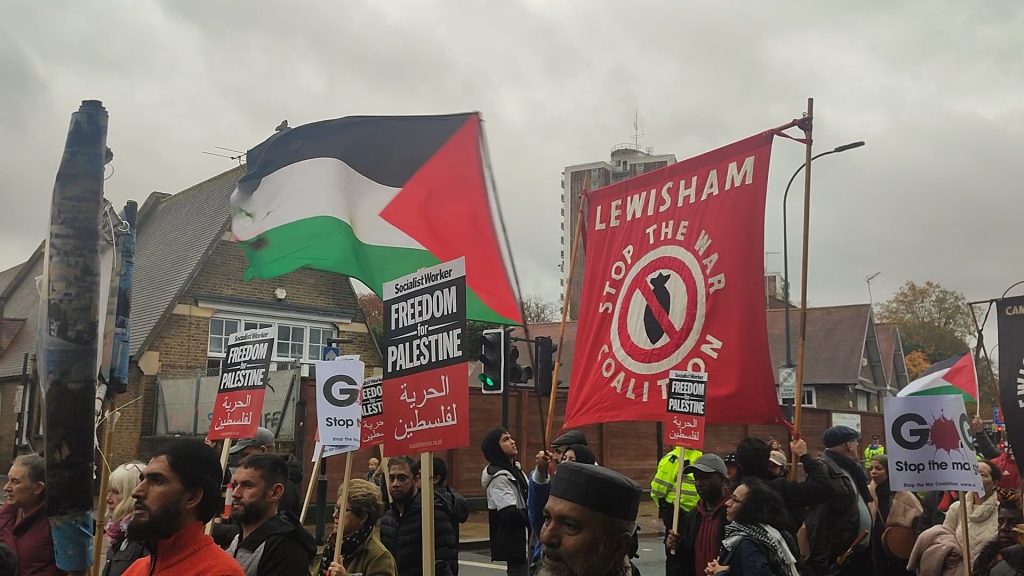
<point x="739" y="514"/>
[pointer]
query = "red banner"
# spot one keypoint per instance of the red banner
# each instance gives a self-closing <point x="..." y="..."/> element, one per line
<point x="673" y="280"/>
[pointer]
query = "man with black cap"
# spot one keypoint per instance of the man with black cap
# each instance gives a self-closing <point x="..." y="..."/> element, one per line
<point x="589" y="522"/>
<point x="179" y="492"/>
<point x="832" y="528"/>
<point x="703" y="528"/>
<point x="538" y="480"/>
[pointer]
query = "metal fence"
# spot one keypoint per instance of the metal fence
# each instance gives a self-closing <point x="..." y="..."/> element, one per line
<point x="185" y="403"/>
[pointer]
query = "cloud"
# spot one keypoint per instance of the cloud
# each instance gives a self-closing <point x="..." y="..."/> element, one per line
<point x="933" y="87"/>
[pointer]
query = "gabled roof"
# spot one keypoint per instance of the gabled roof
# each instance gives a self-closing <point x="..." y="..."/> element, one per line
<point x="835" y="342"/>
<point x="890" y="347"/>
<point x="22" y="304"/>
<point x="185" y="225"/>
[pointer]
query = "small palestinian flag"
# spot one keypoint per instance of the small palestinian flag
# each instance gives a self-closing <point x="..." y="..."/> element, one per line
<point x="952" y="376"/>
<point x="375" y="198"/>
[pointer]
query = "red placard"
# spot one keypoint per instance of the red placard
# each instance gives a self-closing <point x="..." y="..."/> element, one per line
<point x="239" y="402"/>
<point x="673" y="280"/>
<point x="372" y="401"/>
<point x="427" y="411"/>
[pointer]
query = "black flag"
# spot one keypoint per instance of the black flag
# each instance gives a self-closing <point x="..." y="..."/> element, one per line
<point x="1010" y="315"/>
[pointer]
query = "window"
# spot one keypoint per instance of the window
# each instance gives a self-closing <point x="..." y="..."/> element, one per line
<point x="214" y="366"/>
<point x="290" y="341"/>
<point x="862" y="401"/>
<point x="317" y="340"/>
<point x="251" y="325"/>
<point x="810" y="399"/>
<point x="220" y="330"/>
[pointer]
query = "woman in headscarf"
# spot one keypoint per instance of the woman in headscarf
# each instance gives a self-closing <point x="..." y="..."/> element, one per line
<point x="505" y="484"/>
<point x="893" y="515"/>
<point x="982" y="511"/>
<point x="579" y="453"/>
<point x="755" y="542"/>
<point x="361" y="550"/>
<point x="121" y="552"/>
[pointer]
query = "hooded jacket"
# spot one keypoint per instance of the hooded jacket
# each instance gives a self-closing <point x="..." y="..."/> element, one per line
<point x="506" y="489"/>
<point x="278" y="546"/>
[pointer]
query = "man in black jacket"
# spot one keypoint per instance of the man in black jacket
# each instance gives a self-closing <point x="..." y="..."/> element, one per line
<point x="833" y="528"/>
<point x="270" y="542"/>
<point x="752" y="457"/>
<point x="703" y="528"/>
<point x="401" y="526"/>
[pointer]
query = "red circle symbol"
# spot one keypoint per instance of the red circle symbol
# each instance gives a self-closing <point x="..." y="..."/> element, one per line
<point x="676" y="335"/>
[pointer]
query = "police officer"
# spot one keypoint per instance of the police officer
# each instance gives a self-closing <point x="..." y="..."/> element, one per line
<point x="663" y="492"/>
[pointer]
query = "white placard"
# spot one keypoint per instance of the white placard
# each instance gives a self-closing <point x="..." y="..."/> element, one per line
<point x="848" y="420"/>
<point x="930" y="444"/>
<point x="339" y="414"/>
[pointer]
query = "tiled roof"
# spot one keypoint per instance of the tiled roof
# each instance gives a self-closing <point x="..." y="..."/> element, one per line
<point x="23" y="303"/>
<point x="834" y="346"/>
<point x="175" y="233"/>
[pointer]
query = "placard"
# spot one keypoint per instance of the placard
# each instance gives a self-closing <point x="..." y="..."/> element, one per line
<point x="239" y="402"/>
<point x="426" y="381"/>
<point x="339" y="415"/>
<point x="686" y="409"/>
<point x="930" y="444"/>
<point x="372" y="403"/>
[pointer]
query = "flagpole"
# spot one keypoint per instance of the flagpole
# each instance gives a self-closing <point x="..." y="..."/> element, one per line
<point x="574" y="250"/>
<point x="978" y="351"/>
<point x="311" y="484"/>
<point x="339" y="528"/>
<point x="807" y="125"/>
<point x="967" y="536"/>
<point x="679" y="489"/>
<point x="101" y="510"/>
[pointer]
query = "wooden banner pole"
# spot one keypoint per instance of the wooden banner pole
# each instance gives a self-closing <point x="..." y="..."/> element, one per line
<point x="223" y="468"/>
<point x="384" y="467"/>
<point x="427" y="511"/>
<point x="967" y="536"/>
<point x="573" y="252"/>
<point x="808" y="127"/>
<point x="101" y="511"/>
<point x="679" y="489"/>
<point x="312" y="483"/>
<point x="340" y="533"/>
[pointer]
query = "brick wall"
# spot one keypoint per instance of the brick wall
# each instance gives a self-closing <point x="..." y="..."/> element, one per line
<point x="8" y="422"/>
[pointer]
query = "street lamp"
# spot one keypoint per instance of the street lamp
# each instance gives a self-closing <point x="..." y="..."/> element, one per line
<point x="785" y="237"/>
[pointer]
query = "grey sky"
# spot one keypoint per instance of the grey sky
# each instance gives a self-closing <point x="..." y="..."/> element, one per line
<point x="933" y="87"/>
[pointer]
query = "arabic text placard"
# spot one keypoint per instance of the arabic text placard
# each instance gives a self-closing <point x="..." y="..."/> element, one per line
<point x="685" y="409"/>
<point x="239" y="402"/>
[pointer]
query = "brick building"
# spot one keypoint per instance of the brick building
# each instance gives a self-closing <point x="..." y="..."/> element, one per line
<point x="189" y="295"/>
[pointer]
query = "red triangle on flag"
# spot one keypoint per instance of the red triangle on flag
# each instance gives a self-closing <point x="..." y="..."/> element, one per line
<point x="444" y="207"/>
<point x="963" y="375"/>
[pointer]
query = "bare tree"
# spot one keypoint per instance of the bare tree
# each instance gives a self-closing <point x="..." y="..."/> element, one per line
<point x="537" y="310"/>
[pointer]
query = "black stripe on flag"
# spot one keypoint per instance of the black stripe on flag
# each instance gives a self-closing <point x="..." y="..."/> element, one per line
<point x="385" y="149"/>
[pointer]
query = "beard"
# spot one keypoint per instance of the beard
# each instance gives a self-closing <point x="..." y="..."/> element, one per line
<point x="604" y="563"/>
<point x="159" y="524"/>
<point x="252" y="512"/>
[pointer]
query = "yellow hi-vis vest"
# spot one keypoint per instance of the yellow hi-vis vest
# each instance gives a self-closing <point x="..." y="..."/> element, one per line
<point x="870" y="453"/>
<point x="663" y="486"/>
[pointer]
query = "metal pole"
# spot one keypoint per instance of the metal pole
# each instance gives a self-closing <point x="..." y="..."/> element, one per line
<point x="504" y="403"/>
<point x="68" y="343"/>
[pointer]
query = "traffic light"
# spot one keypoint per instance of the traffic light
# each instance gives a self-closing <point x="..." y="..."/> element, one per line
<point x="492" y="357"/>
<point x="545" y="363"/>
<point x="517" y="373"/>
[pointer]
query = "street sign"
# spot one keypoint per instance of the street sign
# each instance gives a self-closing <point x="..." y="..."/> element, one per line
<point x="331" y="353"/>
<point x="787" y="392"/>
<point x="787" y="376"/>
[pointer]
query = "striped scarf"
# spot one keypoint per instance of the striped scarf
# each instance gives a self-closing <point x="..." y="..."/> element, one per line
<point x="782" y="560"/>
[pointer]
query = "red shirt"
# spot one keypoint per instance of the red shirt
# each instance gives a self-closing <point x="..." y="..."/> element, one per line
<point x="30" y="540"/>
<point x="707" y="543"/>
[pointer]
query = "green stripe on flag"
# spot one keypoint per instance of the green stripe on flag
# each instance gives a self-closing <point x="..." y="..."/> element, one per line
<point x="329" y="244"/>
<point x="947" y="390"/>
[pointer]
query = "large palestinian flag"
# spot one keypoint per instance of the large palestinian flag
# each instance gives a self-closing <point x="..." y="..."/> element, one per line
<point x="953" y="376"/>
<point x="375" y="198"/>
